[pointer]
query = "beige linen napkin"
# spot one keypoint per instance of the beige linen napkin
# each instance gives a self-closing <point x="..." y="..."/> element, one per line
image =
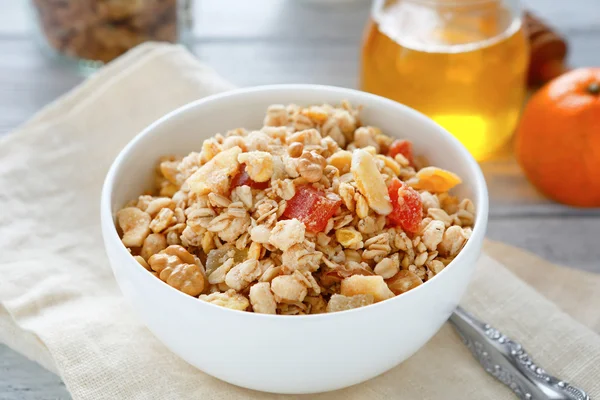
<point x="60" y="306"/>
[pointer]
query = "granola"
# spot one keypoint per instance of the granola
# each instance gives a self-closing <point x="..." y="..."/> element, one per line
<point x="313" y="213"/>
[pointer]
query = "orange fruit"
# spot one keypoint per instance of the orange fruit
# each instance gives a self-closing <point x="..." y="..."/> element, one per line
<point x="558" y="138"/>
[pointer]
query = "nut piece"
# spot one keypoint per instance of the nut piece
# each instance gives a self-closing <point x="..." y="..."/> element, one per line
<point x="435" y="180"/>
<point x="142" y="262"/>
<point x="214" y="175"/>
<point x="403" y="281"/>
<point x="295" y="149"/>
<point x="229" y="299"/>
<point x="287" y="233"/>
<point x="186" y="278"/>
<point x="135" y="224"/>
<point x="311" y="165"/>
<point x="370" y="182"/>
<point x="342" y="160"/>
<point x="154" y="243"/>
<point x="180" y="269"/>
<point x="288" y="289"/>
<point x="259" y="165"/>
<point x="340" y="302"/>
<point x="361" y="284"/>
<point x="242" y="275"/>
<point x="262" y="298"/>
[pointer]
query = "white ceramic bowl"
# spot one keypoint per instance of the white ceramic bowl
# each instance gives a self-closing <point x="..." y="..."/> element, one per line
<point x="288" y="354"/>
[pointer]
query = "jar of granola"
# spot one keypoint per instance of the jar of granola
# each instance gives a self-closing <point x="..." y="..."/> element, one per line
<point x="93" y="32"/>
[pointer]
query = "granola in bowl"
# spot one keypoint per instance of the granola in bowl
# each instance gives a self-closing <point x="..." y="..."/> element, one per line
<point x="312" y="213"/>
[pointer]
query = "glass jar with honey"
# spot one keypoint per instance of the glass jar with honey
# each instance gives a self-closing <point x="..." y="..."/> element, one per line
<point x="461" y="62"/>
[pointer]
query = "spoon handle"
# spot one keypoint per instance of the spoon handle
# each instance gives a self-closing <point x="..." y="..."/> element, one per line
<point x="507" y="361"/>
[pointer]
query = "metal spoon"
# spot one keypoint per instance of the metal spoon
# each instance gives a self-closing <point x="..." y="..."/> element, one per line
<point x="507" y="361"/>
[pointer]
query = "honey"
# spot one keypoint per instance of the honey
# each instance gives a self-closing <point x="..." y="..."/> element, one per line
<point x="462" y="63"/>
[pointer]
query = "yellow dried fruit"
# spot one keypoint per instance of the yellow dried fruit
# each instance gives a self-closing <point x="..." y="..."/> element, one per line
<point x="434" y="180"/>
<point x="348" y="237"/>
<point x="361" y="284"/>
<point x="214" y="175"/>
<point x="370" y="182"/>
<point x="342" y="160"/>
<point x="339" y="302"/>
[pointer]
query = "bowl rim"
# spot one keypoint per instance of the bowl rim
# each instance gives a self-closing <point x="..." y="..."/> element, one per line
<point x="108" y="223"/>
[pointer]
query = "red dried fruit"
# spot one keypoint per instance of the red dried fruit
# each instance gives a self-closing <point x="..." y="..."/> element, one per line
<point x="312" y="207"/>
<point x="407" y="206"/>
<point x="403" y="147"/>
<point x="242" y="178"/>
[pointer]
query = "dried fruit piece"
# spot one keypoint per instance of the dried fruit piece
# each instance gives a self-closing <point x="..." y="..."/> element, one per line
<point x="339" y="302"/>
<point x="135" y="224"/>
<point x="434" y="179"/>
<point x="403" y="147"/>
<point x="214" y="176"/>
<point x="370" y="182"/>
<point x="361" y="284"/>
<point x="348" y="237"/>
<point x="408" y="209"/>
<point x="403" y="281"/>
<point x="217" y="257"/>
<point x="342" y="160"/>
<point x="312" y="207"/>
<point x="241" y="178"/>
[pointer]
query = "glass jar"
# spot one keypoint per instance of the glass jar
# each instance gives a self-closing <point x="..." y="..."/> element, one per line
<point x="93" y="32"/>
<point x="461" y="62"/>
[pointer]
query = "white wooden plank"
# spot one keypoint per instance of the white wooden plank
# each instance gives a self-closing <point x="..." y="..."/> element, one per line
<point x="566" y="240"/>
<point x="23" y="379"/>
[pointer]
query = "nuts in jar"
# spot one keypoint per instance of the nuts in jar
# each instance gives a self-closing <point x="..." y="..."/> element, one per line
<point x="101" y="30"/>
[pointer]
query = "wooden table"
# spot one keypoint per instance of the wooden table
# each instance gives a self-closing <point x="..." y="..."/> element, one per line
<point x="285" y="41"/>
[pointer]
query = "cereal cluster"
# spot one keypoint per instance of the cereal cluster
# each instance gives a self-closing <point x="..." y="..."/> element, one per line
<point x="312" y="213"/>
<point x="104" y="29"/>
